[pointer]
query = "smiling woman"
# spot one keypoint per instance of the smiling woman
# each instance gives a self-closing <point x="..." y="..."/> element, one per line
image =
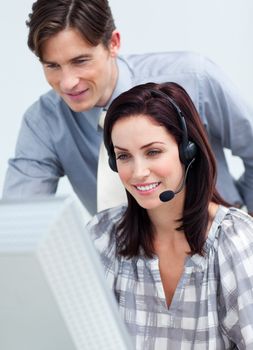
<point x="166" y="116"/>
<point x="164" y="258"/>
<point x="141" y="157"/>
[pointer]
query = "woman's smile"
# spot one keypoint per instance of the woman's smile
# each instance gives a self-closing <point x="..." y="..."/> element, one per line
<point x="147" y="158"/>
<point x="147" y="188"/>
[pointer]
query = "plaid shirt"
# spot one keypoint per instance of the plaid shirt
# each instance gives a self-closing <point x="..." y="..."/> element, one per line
<point x="212" y="307"/>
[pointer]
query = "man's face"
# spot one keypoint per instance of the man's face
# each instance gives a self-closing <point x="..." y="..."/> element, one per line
<point x="82" y="74"/>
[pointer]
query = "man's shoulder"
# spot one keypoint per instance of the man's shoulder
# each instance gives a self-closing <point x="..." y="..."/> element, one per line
<point x="48" y="106"/>
<point x="47" y="101"/>
<point x="186" y="68"/>
<point x="176" y="61"/>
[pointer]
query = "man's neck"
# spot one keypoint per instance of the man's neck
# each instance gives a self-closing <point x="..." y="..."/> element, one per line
<point x="109" y="93"/>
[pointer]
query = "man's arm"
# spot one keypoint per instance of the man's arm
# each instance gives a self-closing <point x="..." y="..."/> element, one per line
<point x="230" y="121"/>
<point x="35" y="169"/>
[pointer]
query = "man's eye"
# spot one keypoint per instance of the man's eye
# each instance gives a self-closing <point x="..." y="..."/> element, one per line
<point x="80" y="62"/>
<point x="52" y="66"/>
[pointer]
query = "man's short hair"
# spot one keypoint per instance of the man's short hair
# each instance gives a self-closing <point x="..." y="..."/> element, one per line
<point x="91" y="18"/>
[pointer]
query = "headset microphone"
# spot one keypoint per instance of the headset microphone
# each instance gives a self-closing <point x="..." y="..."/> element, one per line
<point x="168" y="195"/>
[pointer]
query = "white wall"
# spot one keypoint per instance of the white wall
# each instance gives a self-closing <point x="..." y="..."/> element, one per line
<point x="220" y="29"/>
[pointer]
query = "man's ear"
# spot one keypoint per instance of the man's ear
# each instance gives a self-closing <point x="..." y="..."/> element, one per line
<point x="114" y="44"/>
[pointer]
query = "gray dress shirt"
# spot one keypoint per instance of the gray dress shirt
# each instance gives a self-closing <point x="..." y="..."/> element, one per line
<point x="55" y="141"/>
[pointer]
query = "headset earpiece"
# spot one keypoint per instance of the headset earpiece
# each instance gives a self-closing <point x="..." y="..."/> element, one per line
<point x="187" y="149"/>
<point x="187" y="153"/>
<point x="112" y="162"/>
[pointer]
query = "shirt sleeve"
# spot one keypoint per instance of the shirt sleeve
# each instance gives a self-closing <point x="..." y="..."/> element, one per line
<point x="35" y="169"/>
<point x="235" y="259"/>
<point x="230" y="121"/>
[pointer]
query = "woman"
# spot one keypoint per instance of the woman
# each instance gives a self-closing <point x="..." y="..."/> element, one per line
<point x="178" y="259"/>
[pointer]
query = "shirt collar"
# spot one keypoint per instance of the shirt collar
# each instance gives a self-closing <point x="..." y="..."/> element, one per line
<point x="124" y="82"/>
<point x="92" y="116"/>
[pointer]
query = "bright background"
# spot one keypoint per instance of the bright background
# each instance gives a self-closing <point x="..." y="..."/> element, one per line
<point x="219" y="29"/>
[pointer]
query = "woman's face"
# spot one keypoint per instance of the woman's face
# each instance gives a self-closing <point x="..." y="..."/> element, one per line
<point x="147" y="159"/>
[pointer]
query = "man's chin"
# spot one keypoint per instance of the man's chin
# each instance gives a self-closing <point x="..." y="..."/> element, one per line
<point x="79" y="107"/>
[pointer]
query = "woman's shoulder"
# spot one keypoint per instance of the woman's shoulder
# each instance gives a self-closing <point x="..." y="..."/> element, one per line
<point x="237" y="223"/>
<point x="234" y="260"/>
<point x="102" y="229"/>
<point x="236" y="233"/>
<point x="103" y="225"/>
<point x="106" y="218"/>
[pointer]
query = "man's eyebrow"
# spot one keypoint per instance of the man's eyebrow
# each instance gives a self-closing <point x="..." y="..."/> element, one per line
<point x="84" y="56"/>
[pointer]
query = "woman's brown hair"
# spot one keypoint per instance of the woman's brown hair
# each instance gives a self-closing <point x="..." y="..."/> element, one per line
<point x="135" y="231"/>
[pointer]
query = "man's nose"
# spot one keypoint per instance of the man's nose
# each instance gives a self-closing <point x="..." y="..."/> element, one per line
<point x="68" y="80"/>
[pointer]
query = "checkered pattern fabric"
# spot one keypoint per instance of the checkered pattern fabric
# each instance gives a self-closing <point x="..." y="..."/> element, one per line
<point x="212" y="307"/>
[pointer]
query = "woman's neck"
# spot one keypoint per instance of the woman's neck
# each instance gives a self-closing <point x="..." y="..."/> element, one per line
<point x="164" y="218"/>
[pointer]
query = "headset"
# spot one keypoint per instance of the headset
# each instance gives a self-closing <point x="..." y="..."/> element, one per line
<point x="187" y="149"/>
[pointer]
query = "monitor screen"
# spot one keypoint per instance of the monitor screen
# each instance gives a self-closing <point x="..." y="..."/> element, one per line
<point x="53" y="293"/>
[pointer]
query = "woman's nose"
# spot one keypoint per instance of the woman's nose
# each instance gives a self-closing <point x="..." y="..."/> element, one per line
<point x="141" y="169"/>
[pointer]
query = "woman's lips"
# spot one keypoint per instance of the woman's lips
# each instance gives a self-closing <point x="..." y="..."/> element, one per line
<point x="146" y="188"/>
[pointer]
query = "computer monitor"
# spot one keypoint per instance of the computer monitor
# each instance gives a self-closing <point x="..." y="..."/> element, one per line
<point x="53" y="292"/>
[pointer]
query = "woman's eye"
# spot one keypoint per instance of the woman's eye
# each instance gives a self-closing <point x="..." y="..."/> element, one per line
<point x="153" y="152"/>
<point x="122" y="156"/>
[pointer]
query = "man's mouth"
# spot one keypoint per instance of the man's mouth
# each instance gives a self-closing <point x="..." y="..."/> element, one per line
<point x="76" y="94"/>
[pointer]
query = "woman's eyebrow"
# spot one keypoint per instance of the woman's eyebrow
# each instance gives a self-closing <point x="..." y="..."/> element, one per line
<point x="144" y="146"/>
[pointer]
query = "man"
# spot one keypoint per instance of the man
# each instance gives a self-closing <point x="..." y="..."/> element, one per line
<point x="78" y="44"/>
